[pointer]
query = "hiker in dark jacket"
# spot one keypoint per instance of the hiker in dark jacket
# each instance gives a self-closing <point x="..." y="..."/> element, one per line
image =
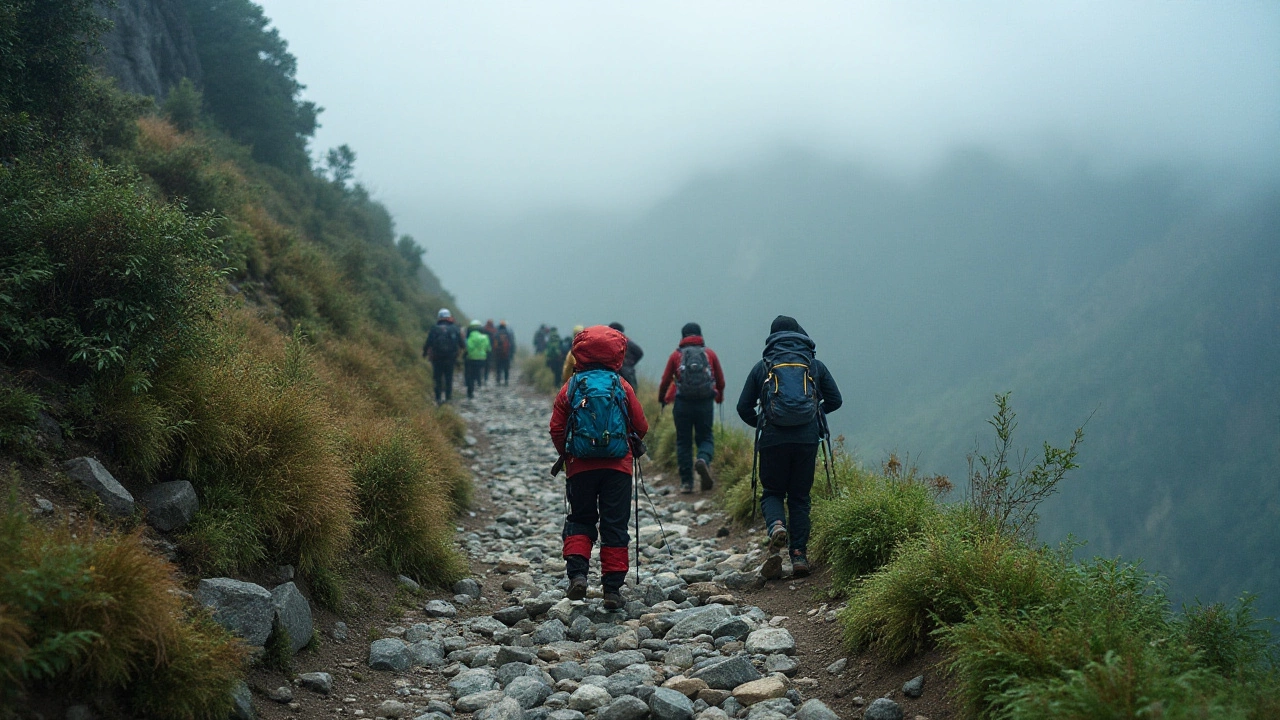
<point x="694" y="382"/>
<point x="599" y="488"/>
<point x="504" y="347"/>
<point x="788" y="452"/>
<point x="551" y="352"/>
<point x="634" y="353"/>
<point x="491" y="331"/>
<point x="540" y="338"/>
<point x="443" y="344"/>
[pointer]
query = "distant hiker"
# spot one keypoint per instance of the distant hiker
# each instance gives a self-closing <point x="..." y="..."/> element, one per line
<point x="551" y="351"/>
<point x="794" y="393"/>
<point x="566" y="365"/>
<point x="540" y="339"/>
<point x="634" y="353"/>
<point x="693" y="380"/>
<point x="504" y="347"/>
<point x="478" y="347"/>
<point x="595" y="420"/>
<point x="441" y="348"/>
<point x="491" y="331"/>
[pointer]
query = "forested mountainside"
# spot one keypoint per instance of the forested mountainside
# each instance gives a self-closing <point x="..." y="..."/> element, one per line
<point x="187" y="296"/>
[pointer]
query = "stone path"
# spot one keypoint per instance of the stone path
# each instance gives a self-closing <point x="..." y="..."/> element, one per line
<point x="510" y="645"/>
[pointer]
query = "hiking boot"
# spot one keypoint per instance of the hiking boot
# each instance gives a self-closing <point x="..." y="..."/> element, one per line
<point x="777" y="536"/>
<point x="686" y="488"/>
<point x="613" y="600"/>
<point x="799" y="564"/>
<point x="772" y="568"/>
<point x="577" y="587"/>
<point x="704" y="474"/>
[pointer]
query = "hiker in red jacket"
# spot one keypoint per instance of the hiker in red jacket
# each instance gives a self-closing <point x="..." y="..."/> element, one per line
<point x="692" y="380"/>
<point x="599" y="488"/>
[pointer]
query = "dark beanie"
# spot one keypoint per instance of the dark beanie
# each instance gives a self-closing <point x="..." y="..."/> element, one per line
<point x="690" y="329"/>
<point x="784" y="323"/>
<point x="617" y="326"/>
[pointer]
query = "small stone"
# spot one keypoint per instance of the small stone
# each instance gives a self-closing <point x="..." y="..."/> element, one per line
<point x="44" y="507"/>
<point x="784" y="664"/>
<point x="815" y="710"/>
<point x="728" y="674"/>
<point x="471" y="682"/>
<point x="528" y="692"/>
<point x="170" y="505"/>
<point x="339" y="631"/>
<point x="756" y="691"/>
<point x="390" y="654"/>
<point x="627" y="707"/>
<point x="667" y="704"/>
<point x="89" y="472"/>
<point x="282" y="694"/>
<point x="588" y="697"/>
<point x="689" y="687"/>
<point x="408" y="583"/>
<point x="883" y="709"/>
<point x="838" y="666"/>
<point x="467" y="586"/>
<point x="293" y="613"/>
<point x="766" y="641"/>
<point x="511" y="615"/>
<point x="914" y="687"/>
<point x="714" y="698"/>
<point x="478" y="701"/>
<point x="439" y="609"/>
<point x="394" y="709"/>
<point x="317" y="682"/>
<point x="246" y="609"/>
<point x="242" y="702"/>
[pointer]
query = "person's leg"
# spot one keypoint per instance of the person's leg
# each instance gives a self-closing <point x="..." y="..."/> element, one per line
<point x="802" y="464"/>
<point x="448" y="380"/>
<point x="615" y="510"/>
<point x="773" y="482"/>
<point x="704" y="435"/>
<point x="684" y="442"/>
<point x="580" y="526"/>
<point x="437" y="379"/>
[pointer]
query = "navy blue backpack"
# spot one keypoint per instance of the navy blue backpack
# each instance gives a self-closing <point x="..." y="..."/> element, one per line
<point x="790" y="395"/>
<point x="598" y="418"/>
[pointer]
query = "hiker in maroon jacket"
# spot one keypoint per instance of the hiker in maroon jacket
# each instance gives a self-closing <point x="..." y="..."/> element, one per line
<point x="599" y="488"/>
<point x="692" y="380"/>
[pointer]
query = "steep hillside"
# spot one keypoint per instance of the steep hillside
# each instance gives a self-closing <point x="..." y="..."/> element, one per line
<point x="188" y="309"/>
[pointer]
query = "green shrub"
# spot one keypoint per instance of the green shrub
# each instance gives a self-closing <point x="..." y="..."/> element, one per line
<point x="100" y="613"/>
<point x="1228" y="639"/>
<point x="404" y="519"/>
<point x="535" y="373"/>
<point x="19" y="420"/>
<point x="858" y="531"/>
<point x="96" y="272"/>
<point x="956" y="566"/>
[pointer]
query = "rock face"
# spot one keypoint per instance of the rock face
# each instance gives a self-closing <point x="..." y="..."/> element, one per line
<point x="89" y="472"/>
<point x="293" y="612"/>
<point x="245" y="609"/>
<point x="150" y="48"/>
<point x="170" y="505"/>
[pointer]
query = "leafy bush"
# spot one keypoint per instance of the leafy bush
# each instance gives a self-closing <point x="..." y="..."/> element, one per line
<point x="96" y="272"/>
<point x="858" y="531"/>
<point x="102" y="614"/>
<point x="19" y="417"/>
<point x="405" y="520"/>
<point x="955" y="567"/>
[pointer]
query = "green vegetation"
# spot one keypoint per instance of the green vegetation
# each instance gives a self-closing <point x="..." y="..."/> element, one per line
<point x="182" y="290"/>
<point x="96" y="613"/>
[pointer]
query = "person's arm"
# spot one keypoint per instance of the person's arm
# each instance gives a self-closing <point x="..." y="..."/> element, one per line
<point x="638" y="351"/>
<point x="831" y="399"/>
<point x="566" y="371"/>
<point x="560" y="419"/>
<point x="668" y="376"/>
<point x="719" y="374"/>
<point x="750" y="396"/>
<point x="426" y="346"/>
<point x="639" y="423"/>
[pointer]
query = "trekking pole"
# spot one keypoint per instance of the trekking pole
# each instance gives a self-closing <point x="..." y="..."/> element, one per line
<point x="828" y="459"/>
<point x="661" y="528"/>
<point x="755" y="458"/>
<point x="635" y="489"/>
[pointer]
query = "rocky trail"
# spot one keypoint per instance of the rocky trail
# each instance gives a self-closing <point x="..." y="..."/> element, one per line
<point x="701" y="635"/>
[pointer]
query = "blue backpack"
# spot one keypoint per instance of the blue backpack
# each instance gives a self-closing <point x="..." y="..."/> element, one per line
<point x="789" y="396"/>
<point x="598" y="419"/>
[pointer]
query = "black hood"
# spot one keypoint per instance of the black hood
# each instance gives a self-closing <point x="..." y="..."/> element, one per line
<point x="788" y="341"/>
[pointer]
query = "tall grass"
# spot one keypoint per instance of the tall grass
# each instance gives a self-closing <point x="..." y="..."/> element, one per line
<point x="93" y="614"/>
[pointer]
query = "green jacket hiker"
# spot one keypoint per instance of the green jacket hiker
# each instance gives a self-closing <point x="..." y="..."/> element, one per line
<point x="478" y="345"/>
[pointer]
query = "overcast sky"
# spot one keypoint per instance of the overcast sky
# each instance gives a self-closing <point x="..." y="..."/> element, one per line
<point x="498" y="107"/>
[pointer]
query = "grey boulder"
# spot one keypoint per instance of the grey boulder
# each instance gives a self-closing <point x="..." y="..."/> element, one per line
<point x="815" y="710"/>
<point x="627" y="707"/>
<point x="770" y="640"/>
<point x="245" y="609"/>
<point x="914" y="687"/>
<point x="170" y="505"/>
<point x="727" y="674"/>
<point x="528" y="692"/>
<point x="89" y="472"/>
<point x="293" y="612"/>
<point x="668" y="704"/>
<point x="390" y="654"/>
<point x="471" y="682"/>
<point x="317" y="682"/>
<point x="242" y="702"/>
<point x="505" y="709"/>
<point x="883" y="709"/>
<point x="439" y="609"/>
<point x="697" y="621"/>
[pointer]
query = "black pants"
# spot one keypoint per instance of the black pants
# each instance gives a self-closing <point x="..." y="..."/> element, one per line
<point x="474" y="370"/>
<point x="442" y="376"/>
<point x="695" y="421"/>
<point x="503" y="371"/>
<point x="488" y="363"/>
<point x="603" y="497"/>
<point x="786" y="472"/>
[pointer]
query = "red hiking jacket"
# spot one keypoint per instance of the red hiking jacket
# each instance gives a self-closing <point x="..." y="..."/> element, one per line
<point x="667" y="390"/>
<point x="596" y="345"/>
